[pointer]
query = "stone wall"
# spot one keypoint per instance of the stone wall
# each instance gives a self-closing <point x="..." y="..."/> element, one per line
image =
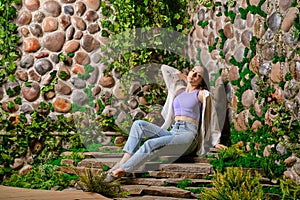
<point x="234" y="54"/>
<point x="51" y="31"/>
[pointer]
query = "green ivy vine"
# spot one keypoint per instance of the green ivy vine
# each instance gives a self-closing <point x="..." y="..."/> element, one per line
<point x="8" y="40"/>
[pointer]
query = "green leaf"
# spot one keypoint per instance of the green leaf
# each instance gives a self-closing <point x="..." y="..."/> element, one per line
<point x="28" y="83"/>
<point x="179" y="27"/>
<point x="176" y="16"/>
<point x="11" y="78"/>
<point x="18" y="100"/>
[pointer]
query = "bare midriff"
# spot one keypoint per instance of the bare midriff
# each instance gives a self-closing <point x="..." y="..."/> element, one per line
<point x="187" y="119"/>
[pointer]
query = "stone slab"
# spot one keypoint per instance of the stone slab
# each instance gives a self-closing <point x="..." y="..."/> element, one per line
<point x="15" y="193"/>
<point x="134" y="189"/>
<point x="190" y="167"/>
<point x="170" y="174"/>
<point x="95" y="154"/>
<point x="145" y="181"/>
<point x="170" y="191"/>
<point x="150" y="197"/>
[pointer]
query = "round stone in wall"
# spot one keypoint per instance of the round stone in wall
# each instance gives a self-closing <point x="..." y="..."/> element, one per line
<point x="36" y="30"/>
<point x="133" y="103"/>
<point x="259" y="28"/>
<point x="52" y="8"/>
<point x="64" y="72"/>
<point x="78" y="83"/>
<point x="239" y="22"/>
<point x="32" y="92"/>
<point x="79" y="23"/>
<point x="22" y="75"/>
<point x="62" y="88"/>
<point x="64" y="21"/>
<point x="93" y="28"/>
<point x="233" y="73"/>
<point x="107" y="81"/>
<point x="39" y="17"/>
<point x="96" y="57"/>
<point x="289" y="19"/>
<point x="248" y="98"/>
<point x="61" y="105"/>
<point x="274" y="21"/>
<point x="82" y="58"/>
<point x="246" y="38"/>
<point x="32" y="4"/>
<point x="296" y="168"/>
<point x="94" y="75"/>
<point x="119" y="91"/>
<point x="26" y="108"/>
<point x="27" y="61"/>
<point x="68" y="9"/>
<point x="96" y="90"/>
<point x="34" y="76"/>
<point x="239" y="53"/>
<point x="277" y="73"/>
<point x="50" y="24"/>
<point x="31" y="45"/>
<point x="71" y="46"/>
<point x="268" y="51"/>
<point x="229" y="31"/>
<point x="79" y="98"/>
<point x="70" y="33"/>
<point x="54" y="41"/>
<point x="285" y="4"/>
<point x="23" y="18"/>
<point x="88" y="43"/>
<point x="255" y="63"/>
<point x="54" y="58"/>
<point x="265" y="69"/>
<point x="43" y="66"/>
<point x="93" y="4"/>
<point x="79" y="8"/>
<point x="91" y="16"/>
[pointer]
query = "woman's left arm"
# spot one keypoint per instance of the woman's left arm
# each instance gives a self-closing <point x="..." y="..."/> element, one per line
<point x="200" y="96"/>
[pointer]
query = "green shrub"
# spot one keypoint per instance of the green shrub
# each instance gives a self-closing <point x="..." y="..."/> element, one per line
<point x="92" y="180"/>
<point x="43" y="176"/>
<point x="235" y="184"/>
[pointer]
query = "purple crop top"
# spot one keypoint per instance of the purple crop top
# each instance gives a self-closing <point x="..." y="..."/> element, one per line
<point x="187" y="104"/>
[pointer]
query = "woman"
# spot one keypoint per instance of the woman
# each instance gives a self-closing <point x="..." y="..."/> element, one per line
<point x="194" y="129"/>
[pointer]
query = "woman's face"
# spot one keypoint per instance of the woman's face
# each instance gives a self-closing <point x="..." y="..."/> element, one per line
<point x="195" y="76"/>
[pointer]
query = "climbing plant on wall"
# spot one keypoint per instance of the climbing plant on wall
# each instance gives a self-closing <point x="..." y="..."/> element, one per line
<point x="8" y="40"/>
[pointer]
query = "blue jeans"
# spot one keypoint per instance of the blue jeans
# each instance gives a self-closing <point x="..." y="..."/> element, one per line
<point x="180" y="140"/>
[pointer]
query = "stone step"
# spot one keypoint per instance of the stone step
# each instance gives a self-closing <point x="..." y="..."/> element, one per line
<point x="190" y="159"/>
<point x="170" y="191"/>
<point x="164" y="181"/>
<point x="150" y="197"/>
<point x="110" y="133"/>
<point x="188" y="167"/>
<point x="170" y="174"/>
<point x="98" y="162"/>
<point x="72" y="170"/>
<point x="95" y="154"/>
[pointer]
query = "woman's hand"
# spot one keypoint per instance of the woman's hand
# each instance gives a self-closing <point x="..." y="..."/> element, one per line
<point x="182" y="76"/>
<point x="220" y="146"/>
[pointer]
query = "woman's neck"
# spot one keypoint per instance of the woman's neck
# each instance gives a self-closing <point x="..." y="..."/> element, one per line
<point x="191" y="88"/>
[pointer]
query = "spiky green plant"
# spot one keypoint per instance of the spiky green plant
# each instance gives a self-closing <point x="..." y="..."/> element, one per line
<point x="92" y="180"/>
<point x="290" y="189"/>
<point x="235" y="184"/>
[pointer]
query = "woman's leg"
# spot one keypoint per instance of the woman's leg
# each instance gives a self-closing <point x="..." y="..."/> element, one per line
<point x="177" y="142"/>
<point x="142" y="129"/>
<point x="139" y="130"/>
